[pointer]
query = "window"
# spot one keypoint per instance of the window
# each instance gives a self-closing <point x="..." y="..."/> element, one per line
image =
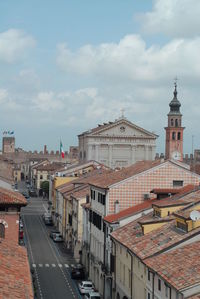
<point x="177" y="183"/>
<point x="101" y="198"/>
<point x="173" y="135"/>
<point x="176" y="122"/>
<point x="149" y="296"/>
<point x="159" y="284"/>
<point x="149" y="275"/>
<point x="182" y="226"/>
<point x="172" y="122"/>
<point x="41" y="176"/>
<point x="80" y="155"/>
<point x="2" y="231"/>
<point x="179" y="135"/>
<point x="70" y="219"/>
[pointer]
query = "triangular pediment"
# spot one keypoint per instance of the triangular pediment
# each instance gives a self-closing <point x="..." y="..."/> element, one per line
<point x="122" y="127"/>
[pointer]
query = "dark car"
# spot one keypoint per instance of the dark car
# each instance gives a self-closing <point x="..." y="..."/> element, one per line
<point x="77" y="272"/>
<point x="47" y="219"/>
<point x="32" y="193"/>
<point x="25" y="195"/>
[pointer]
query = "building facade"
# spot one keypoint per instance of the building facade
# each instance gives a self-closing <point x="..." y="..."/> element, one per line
<point x="117" y="144"/>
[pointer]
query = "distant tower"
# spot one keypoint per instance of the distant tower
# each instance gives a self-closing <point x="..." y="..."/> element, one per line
<point x="8" y="145"/>
<point x="174" y="131"/>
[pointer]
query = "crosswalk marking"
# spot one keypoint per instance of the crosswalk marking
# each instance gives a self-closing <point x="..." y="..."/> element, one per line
<point x="52" y="265"/>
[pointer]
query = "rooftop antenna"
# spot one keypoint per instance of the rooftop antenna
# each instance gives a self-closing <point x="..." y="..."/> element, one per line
<point x="175" y="81"/>
<point x="195" y="215"/>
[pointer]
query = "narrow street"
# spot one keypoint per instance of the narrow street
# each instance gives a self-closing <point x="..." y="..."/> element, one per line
<point x="49" y="260"/>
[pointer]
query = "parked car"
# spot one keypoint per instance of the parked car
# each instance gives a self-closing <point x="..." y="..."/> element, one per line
<point x="92" y="295"/>
<point x="25" y="195"/>
<point x="77" y="272"/>
<point x="32" y="193"/>
<point x="52" y="232"/>
<point x="57" y="238"/>
<point x="85" y="287"/>
<point x="48" y="220"/>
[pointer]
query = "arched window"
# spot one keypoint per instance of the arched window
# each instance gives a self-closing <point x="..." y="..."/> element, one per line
<point x="173" y="135"/>
<point x="176" y="122"/>
<point x="118" y="297"/>
<point x="172" y="122"/>
<point x="2" y="231"/>
<point x="179" y="135"/>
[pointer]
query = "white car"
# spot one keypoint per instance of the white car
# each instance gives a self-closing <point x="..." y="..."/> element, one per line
<point x="85" y="287"/>
<point x="92" y="295"/>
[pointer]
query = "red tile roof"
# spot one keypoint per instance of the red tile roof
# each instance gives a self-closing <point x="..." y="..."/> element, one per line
<point x="131" y="236"/>
<point x="8" y="197"/>
<point x="165" y="191"/>
<point x="180" y="267"/>
<point x="130" y="211"/>
<point x="197" y="296"/>
<point x="81" y="193"/>
<point x="181" y="197"/>
<point x="15" y="277"/>
<point x="109" y="179"/>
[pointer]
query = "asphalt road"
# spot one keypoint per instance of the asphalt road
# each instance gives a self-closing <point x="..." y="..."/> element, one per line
<point x="49" y="261"/>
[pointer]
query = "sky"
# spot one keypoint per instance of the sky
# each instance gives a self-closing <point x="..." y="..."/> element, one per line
<point x="66" y="66"/>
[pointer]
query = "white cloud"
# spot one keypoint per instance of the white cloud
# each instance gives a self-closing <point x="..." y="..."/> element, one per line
<point x="14" y="44"/>
<point x="46" y="101"/>
<point x="131" y="60"/>
<point x="176" y="18"/>
<point x="3" y="95"/>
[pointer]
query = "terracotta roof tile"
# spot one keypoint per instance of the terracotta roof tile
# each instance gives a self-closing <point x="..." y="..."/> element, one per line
<point x="186" y="194"/>
<point x="179" y="267"/>
<point x="131" y="236"/>
<point x="109" y="179"/>
<point x="15" y="278"/>
<point x="165" y="190"/>
<point x="8" y="197"/>
<point x="78" y="194"/>
<point x="130" y="211"/>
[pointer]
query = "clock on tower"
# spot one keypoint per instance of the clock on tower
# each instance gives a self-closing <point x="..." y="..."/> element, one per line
<point x="174" y="130"/>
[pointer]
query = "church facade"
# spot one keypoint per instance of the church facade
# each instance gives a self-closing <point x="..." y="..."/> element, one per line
<point x="117" y="144"/>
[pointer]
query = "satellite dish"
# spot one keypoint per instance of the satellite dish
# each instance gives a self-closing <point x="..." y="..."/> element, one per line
<point x="195" y="215"/>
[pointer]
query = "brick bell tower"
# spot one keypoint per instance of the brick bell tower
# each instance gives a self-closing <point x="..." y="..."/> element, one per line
<point x="174" y="130"/>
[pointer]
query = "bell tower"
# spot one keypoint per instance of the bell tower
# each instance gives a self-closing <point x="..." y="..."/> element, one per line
<point x="174" y="130"/>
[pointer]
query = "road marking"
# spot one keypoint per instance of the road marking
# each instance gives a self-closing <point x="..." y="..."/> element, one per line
<point x="53" y="265"/>
<point x="34" y="265"/>
<point x="46" y="265"/>
<point x="60" y="265"/>
<point x="66" y="266"/>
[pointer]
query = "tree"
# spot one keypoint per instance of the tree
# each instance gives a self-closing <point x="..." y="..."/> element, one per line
<point x="45" y="188"/>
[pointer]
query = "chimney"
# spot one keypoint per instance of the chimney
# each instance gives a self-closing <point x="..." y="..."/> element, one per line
<point x="116" y="206"/>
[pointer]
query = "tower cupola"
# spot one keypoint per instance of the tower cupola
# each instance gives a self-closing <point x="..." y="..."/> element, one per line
<point x="175" y="104"/>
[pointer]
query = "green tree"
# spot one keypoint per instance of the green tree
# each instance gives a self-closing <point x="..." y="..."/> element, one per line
<point x="45" y="187"/>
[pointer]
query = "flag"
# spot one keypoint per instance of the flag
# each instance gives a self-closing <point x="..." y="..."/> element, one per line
<point x="61" y="150"/>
